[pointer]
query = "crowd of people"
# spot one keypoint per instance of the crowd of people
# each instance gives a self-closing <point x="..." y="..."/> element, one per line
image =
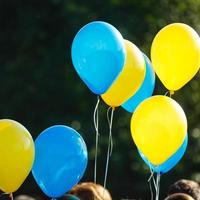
<point x="180" y="190"/>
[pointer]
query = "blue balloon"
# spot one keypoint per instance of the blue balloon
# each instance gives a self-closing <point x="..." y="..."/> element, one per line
<point x="145" y="91"/>
<point x="171" y="162"/>
<point x="60" y="160"/>
<point x="98" y="55"/>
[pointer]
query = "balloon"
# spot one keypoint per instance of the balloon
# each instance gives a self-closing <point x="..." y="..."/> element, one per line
<point x="98" y="55"/>
<point x="158" y="128"/>
<point x="175" y="55"/>
<point x="171" y="162"/>
<point x="130" y="79"/>
<point x="60" y="160"/>
<point x="145" y="91"/>
<point x="16" y="153"/>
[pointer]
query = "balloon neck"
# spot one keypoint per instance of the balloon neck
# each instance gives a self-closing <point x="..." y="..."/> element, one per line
<point x="171" y="93"/>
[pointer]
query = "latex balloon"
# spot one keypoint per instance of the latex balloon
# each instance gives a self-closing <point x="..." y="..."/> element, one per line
<point x="145" y="91"/>
<point x="16" y="153"/>
<point x="129" y="80"/>
<point x="98" y="55"/>
<point x="171" y="162"/>
<point x="158" y="128"/>
<point x="60" y="160"/>
<point x="175" y="55"/>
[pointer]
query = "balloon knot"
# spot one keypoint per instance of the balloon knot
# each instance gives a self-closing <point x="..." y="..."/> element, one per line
<point x="171" y="92"/>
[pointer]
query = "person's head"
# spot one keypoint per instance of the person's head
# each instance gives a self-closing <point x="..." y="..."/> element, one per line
<point x="24" y="197"/>
<point x="179" y="196"/>
<point x="187" y="187"/>
<point x="90" y="191"/>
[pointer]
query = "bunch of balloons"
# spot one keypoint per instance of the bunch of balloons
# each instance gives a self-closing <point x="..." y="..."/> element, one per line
<point x="159" y="124"/>
<point x="118" y="71"/>
<point x="58" y="158"/>
<point x="113" y="68"/>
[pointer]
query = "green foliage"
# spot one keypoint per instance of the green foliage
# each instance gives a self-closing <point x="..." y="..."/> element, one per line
<point x="39" y="86"/>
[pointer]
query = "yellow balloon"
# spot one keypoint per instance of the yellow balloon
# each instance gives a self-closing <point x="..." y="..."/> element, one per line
<point x="158" y="128"/>
<point x="17" y="155"/>
<point x="129" y="80"/>
<point x="175" y="55"/>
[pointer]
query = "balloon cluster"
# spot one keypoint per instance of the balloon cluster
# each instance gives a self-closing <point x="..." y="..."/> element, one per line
<point x="114" y="68"/>
<point x="159" y="124"/>
<point x="58" y="158"/>
<point x="111" y="66"/>
<point x="118" y="71"/>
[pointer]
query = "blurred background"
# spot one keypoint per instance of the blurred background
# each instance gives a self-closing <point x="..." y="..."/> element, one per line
<point x="40" y="88"/>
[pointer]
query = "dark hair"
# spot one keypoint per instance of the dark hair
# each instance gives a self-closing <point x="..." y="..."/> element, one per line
<point x="179" y="196"/>
<point x="90" y="191"/>
<point x="187" y="187"/>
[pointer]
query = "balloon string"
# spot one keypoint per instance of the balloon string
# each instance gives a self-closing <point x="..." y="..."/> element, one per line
<point x="149" y="180"/>
<point x="155" y="182"/>
<point x="11" y="196"/>
<point x="159" y="175"/>
<point x="110" y="128"/>
<point x="150" y="186"/>
<point x="108" y="117"/>
<point x="110" y="143"/>
<point x="151" y="190"/>
<point x="170" y="93"/>
<point x="96" y="126"/>
<point x="152" y="175"/>
<point x="157" y="186"/>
